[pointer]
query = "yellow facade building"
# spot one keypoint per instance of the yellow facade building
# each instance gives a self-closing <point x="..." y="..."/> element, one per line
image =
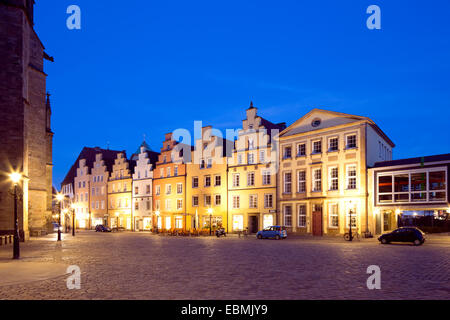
<point x="120" y="193"/>
<point x="323" y="183"/>
<point x="207" y="182"/>
<point x="252" y="175"/>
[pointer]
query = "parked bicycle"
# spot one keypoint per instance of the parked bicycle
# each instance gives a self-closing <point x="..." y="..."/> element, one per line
<point x="355" y="236"/>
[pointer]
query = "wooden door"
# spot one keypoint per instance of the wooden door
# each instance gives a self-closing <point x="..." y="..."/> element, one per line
<point x="317" y="223"/>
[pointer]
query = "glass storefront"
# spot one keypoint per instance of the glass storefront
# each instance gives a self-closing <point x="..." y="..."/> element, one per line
<point x="421" y="185"/>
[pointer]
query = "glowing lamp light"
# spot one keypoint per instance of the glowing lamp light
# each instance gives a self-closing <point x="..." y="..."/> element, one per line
<point x="210" y="211"/>
<point x="376" y="212"/>
<point x="158" y="213"/>
<point x="15" y="177"/>
<point x="60" y="197"/>
<point x="397" y="211"/>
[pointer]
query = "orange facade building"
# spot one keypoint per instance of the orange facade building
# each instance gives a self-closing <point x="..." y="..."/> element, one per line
<point x="169" y="186"/>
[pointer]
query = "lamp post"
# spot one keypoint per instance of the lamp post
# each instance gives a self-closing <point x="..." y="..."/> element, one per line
<point x="157" y="213"/>
<point x="210" y="211"/>
<point x="350" y="235"/>
<point x="15" y="178"/>
<point x="72" y="206"/>
<point x="117" y="221"/>
<point x="60" y="198"/>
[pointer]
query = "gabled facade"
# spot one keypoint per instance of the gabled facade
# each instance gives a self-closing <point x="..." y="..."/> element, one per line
<point x="120" y="193"/>
<point x="82" y="196"/>
<point x="99" y="190"/>
<point x="88" y="178"/>
<point x="252" y="174"/>
<point x="142" y="205"/>
<point x="169" y="185"/>
<point x="207" y="182"/>
<point x="323" y="158"/>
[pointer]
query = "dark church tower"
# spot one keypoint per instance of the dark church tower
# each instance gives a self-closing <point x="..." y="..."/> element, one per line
<point x="25" y="133"/>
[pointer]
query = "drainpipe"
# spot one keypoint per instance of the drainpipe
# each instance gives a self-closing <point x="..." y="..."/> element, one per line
<point x="367" y="183"/>
<point x="228" y="221"/>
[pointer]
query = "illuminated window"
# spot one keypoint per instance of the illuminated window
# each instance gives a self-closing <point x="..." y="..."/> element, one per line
<point x="238" y="222"/>
<point x="333" y="214"/>
<point x="317" y="180"/>
<point x="334" y="179"/>
<point x="179" y="204"/>
<point x="351" y="177"/>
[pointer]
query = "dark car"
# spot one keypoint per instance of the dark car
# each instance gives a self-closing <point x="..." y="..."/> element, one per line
<point x="102" y="228"/>
<point x="404" y="234"/>
<point x="277" y="232"/>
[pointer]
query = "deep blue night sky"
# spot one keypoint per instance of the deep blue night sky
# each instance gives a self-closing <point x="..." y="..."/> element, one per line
<point x="149" y="67"/>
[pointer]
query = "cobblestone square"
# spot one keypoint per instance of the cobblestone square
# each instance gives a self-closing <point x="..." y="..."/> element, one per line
<point x="145" y="266"/>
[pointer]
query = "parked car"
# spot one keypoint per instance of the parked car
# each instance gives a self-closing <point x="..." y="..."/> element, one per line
<point x="277" y="232"/>
<point x="102" y="228"/>
<point x="55" y="227"/>
<point x="404" y="234"/>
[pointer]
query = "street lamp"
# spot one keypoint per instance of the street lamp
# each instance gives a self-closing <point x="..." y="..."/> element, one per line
<point x="210" y="212"/>
<point x="72" y="206"/>
<point x="117" y="223"/>
<point x="157" y="218"/>
<point x="60" y="198"/>
<point x="15" y="178"/>
<point x="350" y="235"/>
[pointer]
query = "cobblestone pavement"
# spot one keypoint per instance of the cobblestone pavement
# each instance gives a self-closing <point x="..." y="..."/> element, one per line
<point x="145" y="266"/>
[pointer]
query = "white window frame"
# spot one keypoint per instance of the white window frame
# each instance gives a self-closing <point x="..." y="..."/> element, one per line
<point x="316" y="180"/>
<point x="301" y="215"/>
<point x="236" y="179"/>
<point x="285" y="215"/>
<point x="301" y="182"/>
<point x="332" y="179"/>
<point x="347" y="136"/>
<point x="333" y="214"/>
<point x="329" y="144"/>
<point x="287" y="185"/>
<point x="268" y="200"/>
<point x="349" y="178"/>
<point x="313" y="149"/>
<point x="253" y="201"/>
<point x="251" y="182"/>
<point x="236" y="201"/>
